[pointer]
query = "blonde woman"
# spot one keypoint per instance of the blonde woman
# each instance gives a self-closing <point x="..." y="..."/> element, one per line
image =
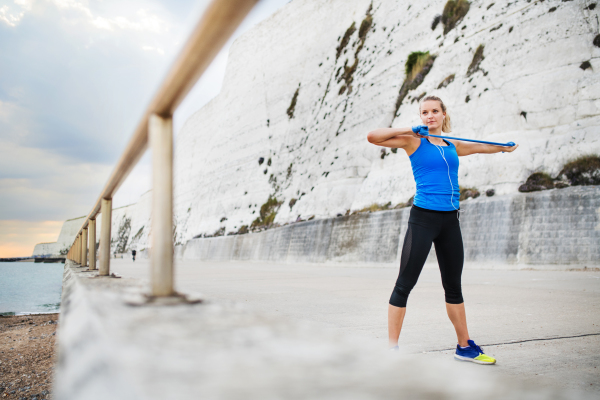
<point x="434" y="218"/>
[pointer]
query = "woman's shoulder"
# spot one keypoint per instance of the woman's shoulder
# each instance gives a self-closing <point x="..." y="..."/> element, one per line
<point x="414" y="145"/>
<point x="453" y="142"/>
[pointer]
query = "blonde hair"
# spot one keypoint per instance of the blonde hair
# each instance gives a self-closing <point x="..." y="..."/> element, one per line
<point x="446" y="125"/>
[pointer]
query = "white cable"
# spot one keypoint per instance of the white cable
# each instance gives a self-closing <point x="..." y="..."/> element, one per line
<point x="449" y="178"/>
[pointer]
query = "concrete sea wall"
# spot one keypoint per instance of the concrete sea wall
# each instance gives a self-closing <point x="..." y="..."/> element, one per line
<point x="560" y="226"/>
<point x="363" y="237"/>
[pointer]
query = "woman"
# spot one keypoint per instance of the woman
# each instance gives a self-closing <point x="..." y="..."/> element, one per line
<point x="434" y="218"/>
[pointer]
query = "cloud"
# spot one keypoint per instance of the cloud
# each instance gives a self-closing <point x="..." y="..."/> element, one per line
<point x="12" y="14"/>
<point x="72" y="4"/>
<point x="68" y="86"/>
<point x="71" y="95"/>
<point x="146" y="22"/>
<point x="142" y="20"/>
<point x="18" y="238"/>
<point x="157" y="49"/>
<point x="76" y="77"/>
<point x="35" y="184"/>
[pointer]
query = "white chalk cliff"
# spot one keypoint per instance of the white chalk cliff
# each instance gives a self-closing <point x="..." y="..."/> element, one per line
<point x="299" y="99"/>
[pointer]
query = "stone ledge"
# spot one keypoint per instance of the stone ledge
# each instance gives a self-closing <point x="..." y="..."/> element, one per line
<point x="214" y="350"/>
<point x="520" y="228"/>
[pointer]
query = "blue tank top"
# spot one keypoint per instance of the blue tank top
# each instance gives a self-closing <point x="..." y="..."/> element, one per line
<point x="435" y="189"/>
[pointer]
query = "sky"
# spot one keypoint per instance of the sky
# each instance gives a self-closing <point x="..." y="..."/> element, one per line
<point x="75" y="78"/>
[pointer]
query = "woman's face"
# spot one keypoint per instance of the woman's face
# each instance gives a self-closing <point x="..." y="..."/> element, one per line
<point x="432" y="114"/>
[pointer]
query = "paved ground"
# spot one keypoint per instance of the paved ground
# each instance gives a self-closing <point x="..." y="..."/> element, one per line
<point x="540" y="325"/>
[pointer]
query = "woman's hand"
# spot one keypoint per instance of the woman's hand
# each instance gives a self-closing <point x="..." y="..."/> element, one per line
<point x="510" y="149"/>
<point x="420" y="131"/>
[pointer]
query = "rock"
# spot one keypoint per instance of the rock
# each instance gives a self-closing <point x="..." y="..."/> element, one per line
<point x="584" y="170"/>
<point x="469" y="193"/>
<point x="537" y="181"/>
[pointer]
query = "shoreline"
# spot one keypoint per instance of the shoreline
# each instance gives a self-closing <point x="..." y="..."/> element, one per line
<point x="28" y="314"/>
<point x="37" y="260"/>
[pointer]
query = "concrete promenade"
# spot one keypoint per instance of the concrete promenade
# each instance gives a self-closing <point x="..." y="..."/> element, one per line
<point x="543" y="326"/>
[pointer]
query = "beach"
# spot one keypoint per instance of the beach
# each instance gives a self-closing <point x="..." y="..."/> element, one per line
<point x="27" y="356"/>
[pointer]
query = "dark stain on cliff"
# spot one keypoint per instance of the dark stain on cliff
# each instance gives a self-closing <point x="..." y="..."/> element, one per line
<point x="449" y="79"/>
<point x="477" y="59"/>
<point x="436" y="21"/>
<point x="292" y="107"/>
<point x="496" y="28"/>
<point x="365" y="27"/>
<point x="268" y="212"/>
<point x="123" y="235"/>
<point x="340" y="126"/>
<point x="345" y="40"/>
<point x="585" y="65"/>
<point x="348" y="71"/>
<point x="454" y="12"/>
<point x="417" y="67"/>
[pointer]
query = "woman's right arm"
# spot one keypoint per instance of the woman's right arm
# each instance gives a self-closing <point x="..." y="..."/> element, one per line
<point x="399" y="138"/>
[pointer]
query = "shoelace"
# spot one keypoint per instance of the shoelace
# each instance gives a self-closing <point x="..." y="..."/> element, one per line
<point x="478" y="348"/>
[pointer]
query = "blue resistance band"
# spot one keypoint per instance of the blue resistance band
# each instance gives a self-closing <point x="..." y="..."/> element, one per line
<point x="509" y="144"/>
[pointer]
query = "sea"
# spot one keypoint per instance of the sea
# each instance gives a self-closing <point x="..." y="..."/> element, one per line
<point x="30" y="288"/>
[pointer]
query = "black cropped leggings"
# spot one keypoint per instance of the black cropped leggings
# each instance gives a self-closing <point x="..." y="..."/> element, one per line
<point x="441" y="228"/>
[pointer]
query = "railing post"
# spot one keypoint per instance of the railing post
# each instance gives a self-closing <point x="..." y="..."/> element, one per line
<point x="77" y="248"/>
<point x="160" y="133"/>
<point x="84" y="242"/>
<point x="92" y="243"/>
<point x="106" y="211"/>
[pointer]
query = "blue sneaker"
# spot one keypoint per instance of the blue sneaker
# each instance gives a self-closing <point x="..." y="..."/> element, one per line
<point x="474" y="354"/>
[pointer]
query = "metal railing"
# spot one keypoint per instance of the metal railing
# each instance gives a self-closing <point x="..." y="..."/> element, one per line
<point x="215" y="27"/>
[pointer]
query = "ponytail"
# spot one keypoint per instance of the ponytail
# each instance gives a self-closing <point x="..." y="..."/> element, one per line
<point x="446" y="125"/>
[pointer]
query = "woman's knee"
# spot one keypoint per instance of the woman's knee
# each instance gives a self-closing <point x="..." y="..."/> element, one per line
<point x="454" y="296"/>
<point x="399" y="296"/>
<point x="452" y="288"/>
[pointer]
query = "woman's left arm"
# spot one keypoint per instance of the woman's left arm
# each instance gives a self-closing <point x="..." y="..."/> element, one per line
<point x="468" y="148"/>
